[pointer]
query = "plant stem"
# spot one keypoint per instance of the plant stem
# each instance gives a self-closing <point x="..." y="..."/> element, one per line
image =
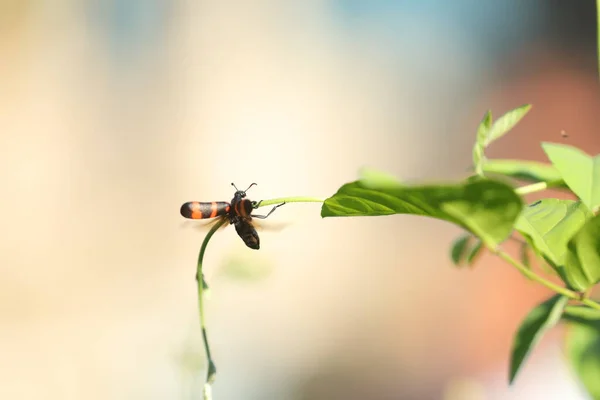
<point x="295" y="199"/>
<point x="538" y="186"/>
<point x="201" y="283"/>
<point x="543" y="281"/>
<point x="212" y="370"/>
<point x="591" y="303"/>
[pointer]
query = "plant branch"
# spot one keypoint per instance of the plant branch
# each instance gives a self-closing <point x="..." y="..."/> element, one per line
<point x="543" y="281"/>
<point x="538" y="186"/>
<point x="212" y="369"/>
<point x="294" y="199"/>
<point x="201" y="283"/>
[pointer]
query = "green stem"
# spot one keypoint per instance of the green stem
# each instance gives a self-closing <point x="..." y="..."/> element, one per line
<point x="543" y="281"/>
<point x="538" y="186"/>
<point x="212" y="370"/>
<point x="591" y="303"/>
<point x="296" y="199"/>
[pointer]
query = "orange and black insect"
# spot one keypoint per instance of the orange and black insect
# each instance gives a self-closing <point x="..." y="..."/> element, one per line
<point x="238" y="212"/>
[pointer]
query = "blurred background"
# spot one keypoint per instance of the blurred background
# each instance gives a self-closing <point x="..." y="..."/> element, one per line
<point x="115" y="112"/>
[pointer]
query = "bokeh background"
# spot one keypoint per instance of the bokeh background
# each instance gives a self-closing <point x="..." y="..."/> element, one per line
<point x="114" y="112"/>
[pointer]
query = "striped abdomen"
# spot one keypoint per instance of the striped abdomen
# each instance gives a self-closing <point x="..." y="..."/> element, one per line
<point x="199" y="210"/>
<point x="248" y="234"/>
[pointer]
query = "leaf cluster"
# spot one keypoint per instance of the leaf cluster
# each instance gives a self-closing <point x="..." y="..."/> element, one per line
<point x="559" y="240"/>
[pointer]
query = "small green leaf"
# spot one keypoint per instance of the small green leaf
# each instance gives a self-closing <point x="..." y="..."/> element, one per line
<point x="474" y="252"/>
<point x="530" y="171"/>
<point x="580" y="171"/>
<point x="464" y="251"/>
<point x="539" y="320"/>
<point x="560" y="271"/>
<point x="204" y="284"/>
<point x="524" y="255"/>
<point x="582" y="347"/>
<point x="486" y="208"/>
<point x="581" y="314"/>
<point x="506" y="122"/>
<point x="212" y="372"/>
<point x="582" y="263"/>
<point x="484" y="127"/>
<point x="478" y="149"/>
<point x="550" y="223"/>
<point x="545" y="263"/>
<point x="459" y="249"/>
<point x="529" y="243"/>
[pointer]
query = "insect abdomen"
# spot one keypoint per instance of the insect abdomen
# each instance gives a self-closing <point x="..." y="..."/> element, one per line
<point x="248" y="234"/>
<point x="200" y="210"/>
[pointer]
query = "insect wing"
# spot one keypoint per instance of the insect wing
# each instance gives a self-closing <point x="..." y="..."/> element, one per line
<point x="204" y="225"/>
<point x="269" y="226"/>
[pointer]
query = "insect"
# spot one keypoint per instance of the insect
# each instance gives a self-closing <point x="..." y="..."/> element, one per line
<point x="238" y="212"/>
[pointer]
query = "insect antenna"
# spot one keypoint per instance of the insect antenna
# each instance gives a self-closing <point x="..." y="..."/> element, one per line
<point x="237" y="190"/>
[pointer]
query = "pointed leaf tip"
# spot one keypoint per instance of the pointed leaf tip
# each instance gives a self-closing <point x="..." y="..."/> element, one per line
<point x="459" y="249"/>
<point x="580" y="171"/>
<point x="539" y="320"/>
<point x="506" y="122"/>
<point x="582" y="347"/>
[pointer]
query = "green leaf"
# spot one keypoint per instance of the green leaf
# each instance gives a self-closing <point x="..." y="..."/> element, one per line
<point x="204" y="284"/>
<point x="459" y="249"/>
<point x="531" y="245"/>
<point x="488" y="132"/>
<point x="478" y="149"/>
<point x="579" y="171"/>
<point x="550" y="223"/>
<point x="582" y="263"/>
<point x="582" y="315"/>
<point x="486" y="208"/>
<point x="560" y="270"/>
<point x="474" y="252"/>
<point x="582" y="347"/>
<point x="506" y="122"/>
<point x="484" y="127"/>
<point x="463" y="251"/>
<point x="539" y="320"/>
<point x="546" y="264"/>
<point x="530" y="171"/>
<point x="212" y="372"/>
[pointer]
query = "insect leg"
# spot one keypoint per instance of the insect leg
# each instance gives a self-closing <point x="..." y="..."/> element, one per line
<point x="270" y="212"/>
